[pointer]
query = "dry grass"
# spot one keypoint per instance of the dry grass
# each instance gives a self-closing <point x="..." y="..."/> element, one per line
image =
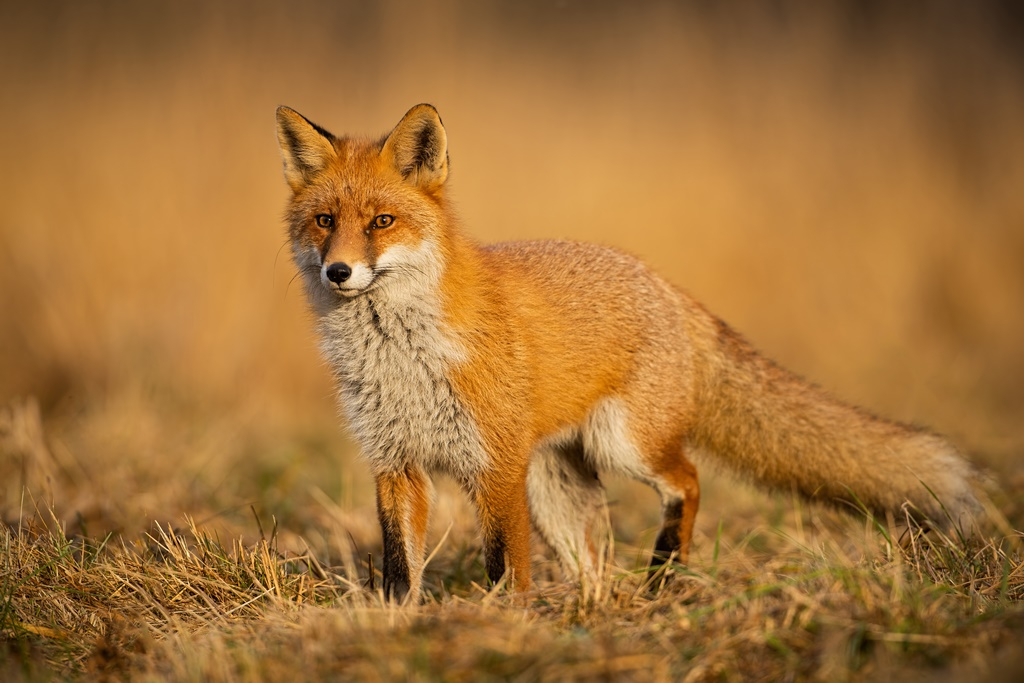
<point x="179" y="605"/>
<point x="840" y="181"/>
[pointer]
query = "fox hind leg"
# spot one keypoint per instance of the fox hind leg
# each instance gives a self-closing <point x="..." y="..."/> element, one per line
<point x="651" y="451"/>
<point x="568" y="507"/>
<point x="676" y="482"/>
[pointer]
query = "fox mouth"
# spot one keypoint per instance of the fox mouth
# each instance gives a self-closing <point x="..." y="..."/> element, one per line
<point x="351" y="292"/>
<point x="347" y="290"/>
<point x="348" y="293"/>
<point x="378" y="275"/>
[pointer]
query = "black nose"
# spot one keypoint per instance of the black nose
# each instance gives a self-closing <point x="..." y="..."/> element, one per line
<point x="338" y="273"/>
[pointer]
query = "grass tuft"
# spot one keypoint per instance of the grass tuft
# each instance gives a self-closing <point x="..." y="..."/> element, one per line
<point x="177" y="604"/>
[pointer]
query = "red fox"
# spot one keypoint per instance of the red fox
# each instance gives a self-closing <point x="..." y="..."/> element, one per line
<point x="525" y="370"/>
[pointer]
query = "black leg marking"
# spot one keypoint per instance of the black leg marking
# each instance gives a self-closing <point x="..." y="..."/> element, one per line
<point x="396" y="565"/>
<point x="668" y="538"/>
<point x="494" y="555"/>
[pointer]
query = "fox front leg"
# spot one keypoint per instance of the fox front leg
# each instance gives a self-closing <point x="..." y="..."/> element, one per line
<point x="505" y="524"/>
<point x="403" y="506"/>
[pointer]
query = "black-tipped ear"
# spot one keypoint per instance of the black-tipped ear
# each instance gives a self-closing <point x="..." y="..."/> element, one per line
<point x="306" y="148"/>
<point x="418" y="148"/>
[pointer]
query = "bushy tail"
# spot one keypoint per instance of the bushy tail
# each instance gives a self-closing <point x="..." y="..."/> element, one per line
<point x="766" y="423"/>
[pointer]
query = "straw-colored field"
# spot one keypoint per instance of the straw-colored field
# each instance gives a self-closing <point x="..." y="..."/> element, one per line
<point x="845" y="185"/>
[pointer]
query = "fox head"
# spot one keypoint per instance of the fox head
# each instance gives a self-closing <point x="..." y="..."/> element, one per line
<point x="365" y="215"/>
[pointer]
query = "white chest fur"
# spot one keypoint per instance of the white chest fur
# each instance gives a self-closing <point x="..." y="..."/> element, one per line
<point x="391" y="361"/>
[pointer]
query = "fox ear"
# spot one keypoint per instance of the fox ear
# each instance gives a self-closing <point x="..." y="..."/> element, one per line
<point x="418" y="148"/>
<point x="305" y="147"/>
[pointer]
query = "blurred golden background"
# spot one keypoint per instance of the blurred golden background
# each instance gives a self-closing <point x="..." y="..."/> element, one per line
<point x="843" y="182"/>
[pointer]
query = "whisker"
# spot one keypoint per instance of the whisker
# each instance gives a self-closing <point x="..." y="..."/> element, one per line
<point x="310" y="268"/>
<point x="277" y="256"/>
<point x="279" y="250"/>
<point x="402" y="268"/>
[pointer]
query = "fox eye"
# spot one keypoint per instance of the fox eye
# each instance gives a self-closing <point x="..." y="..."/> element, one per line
<point x="325" y="220"/>
<point x="383" y="221"/>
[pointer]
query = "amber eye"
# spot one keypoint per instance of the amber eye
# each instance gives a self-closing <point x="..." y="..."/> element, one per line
<point x="383" y="221"/>
<point x="325" y="220"/>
